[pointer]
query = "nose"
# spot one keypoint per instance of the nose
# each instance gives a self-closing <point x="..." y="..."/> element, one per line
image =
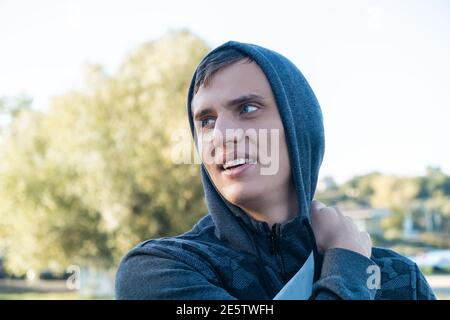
<point x="227" y="134"/>
<point x="226" y="130"/>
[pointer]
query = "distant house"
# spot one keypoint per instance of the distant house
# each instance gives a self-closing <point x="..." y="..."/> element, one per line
<point x="368" y="219"/>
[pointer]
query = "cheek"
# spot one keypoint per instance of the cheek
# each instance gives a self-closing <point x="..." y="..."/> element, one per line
<point x="206" y="151"/>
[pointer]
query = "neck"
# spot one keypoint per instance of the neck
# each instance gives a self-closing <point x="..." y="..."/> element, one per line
<point x="278" y="208"/>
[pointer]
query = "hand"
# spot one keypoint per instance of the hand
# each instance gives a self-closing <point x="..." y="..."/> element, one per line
<point x="334" y="230"/>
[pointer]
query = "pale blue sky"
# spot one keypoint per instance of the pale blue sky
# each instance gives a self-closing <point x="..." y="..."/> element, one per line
<point x="380" y="69"/>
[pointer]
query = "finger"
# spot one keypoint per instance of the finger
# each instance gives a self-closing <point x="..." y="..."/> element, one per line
<point x="349" y="221"/>
<point x="316" y="206"/>
<point x="366" y="237"/>
<point x="369" y="245"/>
<point x="337" y="210"/>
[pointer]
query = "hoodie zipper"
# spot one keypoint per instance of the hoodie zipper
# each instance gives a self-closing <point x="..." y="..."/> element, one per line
<point x="267" y="283"/>
<point x="273" y="248"/>
<point x="273" y="240"/>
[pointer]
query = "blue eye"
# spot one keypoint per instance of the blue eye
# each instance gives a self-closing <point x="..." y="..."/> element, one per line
<point x="208" y="122"/>
<point x="248" y="108"/>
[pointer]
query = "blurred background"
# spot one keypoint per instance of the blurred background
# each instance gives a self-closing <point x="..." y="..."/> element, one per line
<point x="91" y="93"/>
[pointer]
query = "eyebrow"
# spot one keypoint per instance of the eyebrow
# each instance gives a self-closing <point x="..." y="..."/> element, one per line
<point x="233" y="102"/>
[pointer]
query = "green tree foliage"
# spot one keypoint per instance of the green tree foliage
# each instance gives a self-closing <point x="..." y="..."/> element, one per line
<point x="422" y="198"/>
<point x="94" y="175"/>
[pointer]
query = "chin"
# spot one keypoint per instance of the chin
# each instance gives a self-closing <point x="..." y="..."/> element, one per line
<point x="239" y="194"/>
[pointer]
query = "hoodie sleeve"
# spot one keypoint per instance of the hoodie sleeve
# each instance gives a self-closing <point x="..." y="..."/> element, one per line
<point x="424" y="291"/>
<point x="149" y="277"/>
<point x="344" y="275"/>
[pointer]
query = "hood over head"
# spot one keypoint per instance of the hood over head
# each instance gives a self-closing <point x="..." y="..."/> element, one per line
<point x="303" y="126"/>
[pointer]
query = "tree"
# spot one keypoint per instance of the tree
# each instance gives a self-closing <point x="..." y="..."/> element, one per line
<point x="94" y="175"/>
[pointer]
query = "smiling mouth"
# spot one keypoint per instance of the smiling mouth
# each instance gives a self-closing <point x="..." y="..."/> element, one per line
<point x="235" y="163"/>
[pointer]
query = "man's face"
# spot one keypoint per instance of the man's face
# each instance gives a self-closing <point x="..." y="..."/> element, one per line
<point x="237" y="122"/>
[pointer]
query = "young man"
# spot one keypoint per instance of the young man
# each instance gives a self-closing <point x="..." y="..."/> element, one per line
<point x="264" y="237"/>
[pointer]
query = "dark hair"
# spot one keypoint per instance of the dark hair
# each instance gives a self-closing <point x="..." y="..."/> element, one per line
<point x="216" y="61"/>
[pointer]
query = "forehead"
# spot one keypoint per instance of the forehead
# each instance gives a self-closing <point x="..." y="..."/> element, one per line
<point x="237" y="79"/>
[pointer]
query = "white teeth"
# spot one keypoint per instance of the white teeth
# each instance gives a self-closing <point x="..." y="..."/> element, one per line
<point x="235" y="162"/>
<point x="232" y="163"/>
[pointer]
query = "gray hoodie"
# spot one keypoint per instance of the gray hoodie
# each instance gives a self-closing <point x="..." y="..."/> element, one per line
<point x="229" y="255"/>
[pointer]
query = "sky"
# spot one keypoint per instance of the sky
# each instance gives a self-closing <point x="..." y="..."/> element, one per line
<point x="380" y="69"/>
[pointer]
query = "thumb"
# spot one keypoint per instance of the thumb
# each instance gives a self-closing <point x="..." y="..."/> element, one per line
<point x="316" y="206"/>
